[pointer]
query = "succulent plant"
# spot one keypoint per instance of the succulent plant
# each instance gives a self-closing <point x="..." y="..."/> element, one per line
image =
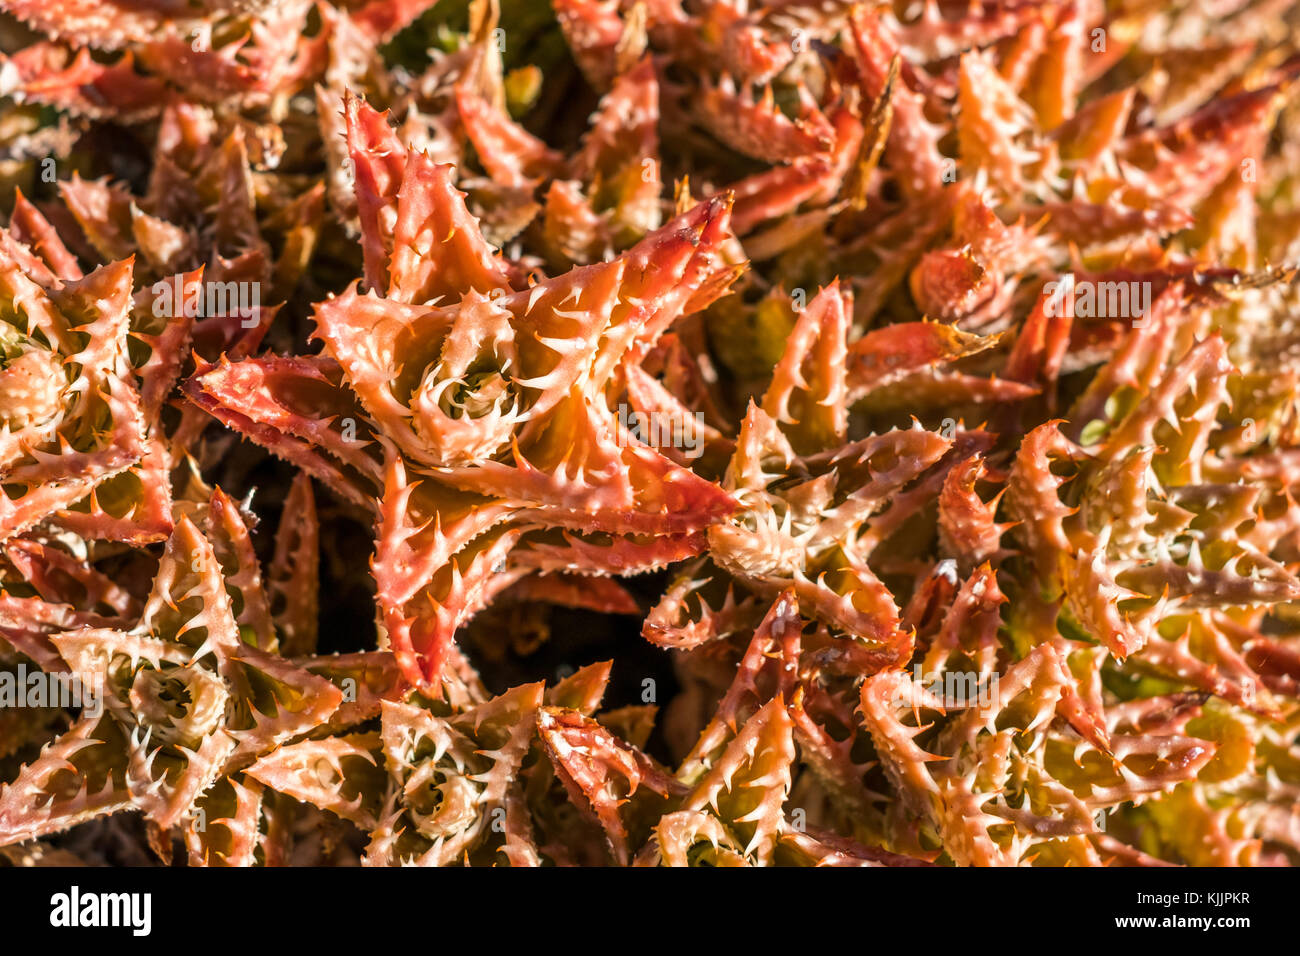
<point x="904" y="400"/>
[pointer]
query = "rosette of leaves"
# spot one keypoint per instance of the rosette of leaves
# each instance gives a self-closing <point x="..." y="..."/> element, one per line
<point x="475" y="412"/>
<point x="72" y="412"/>
<point x="192" y="683"/>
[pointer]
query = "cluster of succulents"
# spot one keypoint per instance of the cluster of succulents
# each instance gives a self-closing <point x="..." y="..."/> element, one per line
<point x="908" y="393"/>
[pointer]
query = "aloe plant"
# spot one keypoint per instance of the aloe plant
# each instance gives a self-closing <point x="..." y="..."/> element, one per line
<point x="919" y="383"/>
